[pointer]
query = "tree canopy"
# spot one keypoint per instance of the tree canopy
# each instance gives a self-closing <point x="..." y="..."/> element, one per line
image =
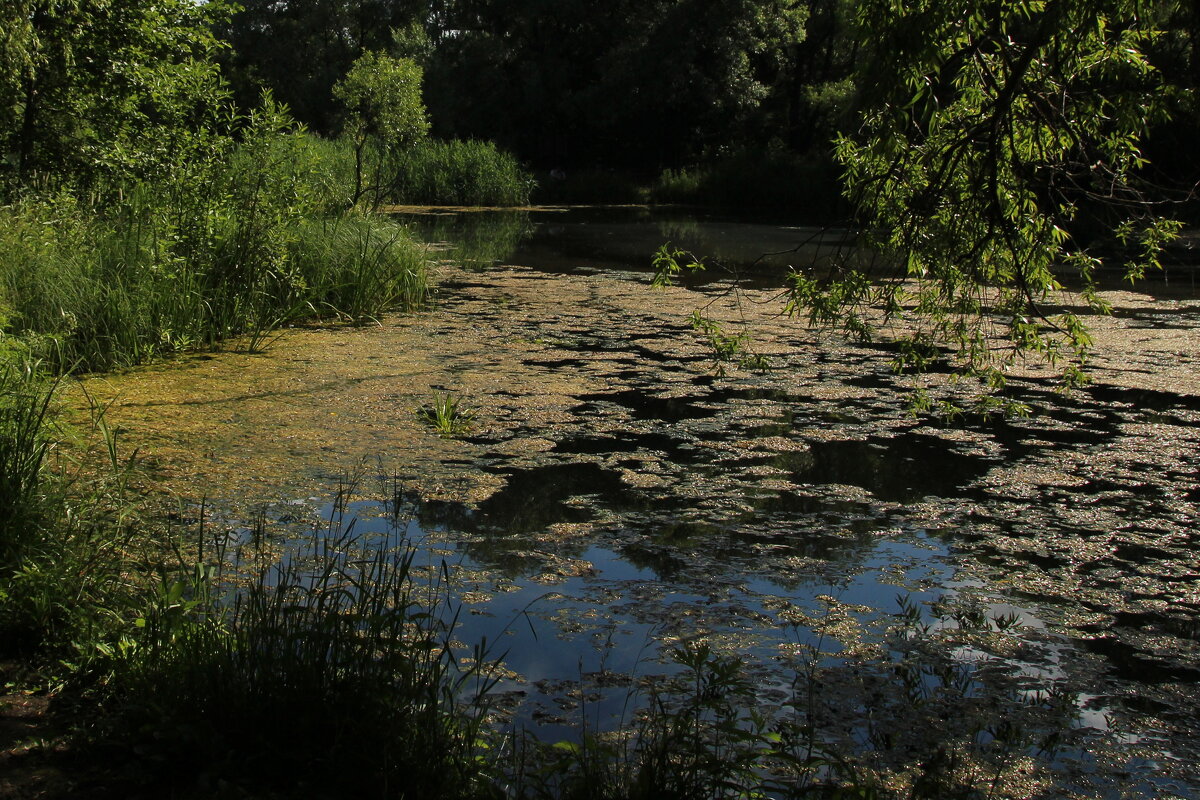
<point x="90" y="87"/>
<point x="998" y="158"/>
<point x="299" y="50"/>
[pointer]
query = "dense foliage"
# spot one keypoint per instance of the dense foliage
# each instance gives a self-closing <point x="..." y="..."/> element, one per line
<point x="1000" y="162"/>
<point x="162" y="192"/>
<point x="107" y="89"/>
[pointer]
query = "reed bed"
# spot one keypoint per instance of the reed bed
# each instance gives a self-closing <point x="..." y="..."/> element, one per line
<point x="332" y="672"/>
<point x="465" y="173"/>
<point x="93" y="289"/>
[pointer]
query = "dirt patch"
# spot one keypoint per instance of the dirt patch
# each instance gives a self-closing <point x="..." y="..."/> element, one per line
<point x="32" y="748"/>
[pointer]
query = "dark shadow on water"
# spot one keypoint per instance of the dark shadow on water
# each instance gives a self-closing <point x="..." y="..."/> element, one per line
<point x="535" y="499"/>
<point x="902" y="468"/>
<point x="648" y="406"/>
<point x="1130" y="663"/>
<point x="680" y="451"/>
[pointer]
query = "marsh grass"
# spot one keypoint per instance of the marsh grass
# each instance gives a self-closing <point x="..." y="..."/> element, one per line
<point x="24" y="445"/>
<point x="64" y="530"/>
<point x="448" y="415"/>
<point x="128" y="286"/>
<point x="332" y="672"/>
<point x="466" y="173"/>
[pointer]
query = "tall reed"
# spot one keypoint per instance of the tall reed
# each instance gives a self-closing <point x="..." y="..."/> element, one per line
<point x="63" y="533"/>
<point x="24" y="444"/>
<point x="234" y="247"/>
<point x="333" y="674"/>
<point x="467" y="173"/>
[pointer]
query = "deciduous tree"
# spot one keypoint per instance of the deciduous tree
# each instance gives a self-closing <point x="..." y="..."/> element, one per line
<point x="998" y="144"/>
<point x="93" y="87"/>
<point x="382" y="97"/>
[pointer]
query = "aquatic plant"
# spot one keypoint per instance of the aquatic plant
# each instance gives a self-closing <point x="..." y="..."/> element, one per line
<point x="447" y="414"/>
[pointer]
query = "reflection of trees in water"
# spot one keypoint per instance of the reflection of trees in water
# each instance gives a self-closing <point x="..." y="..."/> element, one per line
<point x="508" y="522"/>
<point x="679" y="229"/>
<point x="480" y="239"/>
<point x="626" y="238"/>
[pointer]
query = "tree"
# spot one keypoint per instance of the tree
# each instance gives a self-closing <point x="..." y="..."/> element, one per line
<point x="627" y="83"/>
<point x="300" y="48"/>
<point x="382" y="97"/>
<point x="998" y="143"/>
<point x="95" y="87"/>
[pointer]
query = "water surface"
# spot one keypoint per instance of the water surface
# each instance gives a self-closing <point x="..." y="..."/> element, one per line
<point x="622" y="491"/>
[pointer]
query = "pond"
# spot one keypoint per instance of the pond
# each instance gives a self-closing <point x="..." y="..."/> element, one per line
<point x="622" y="490"/>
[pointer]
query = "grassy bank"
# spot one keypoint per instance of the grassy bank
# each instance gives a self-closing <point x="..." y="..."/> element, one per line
<point x="237" y="247"/>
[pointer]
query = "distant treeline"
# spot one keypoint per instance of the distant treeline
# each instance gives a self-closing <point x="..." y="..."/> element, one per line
<point x="636" y="85"/>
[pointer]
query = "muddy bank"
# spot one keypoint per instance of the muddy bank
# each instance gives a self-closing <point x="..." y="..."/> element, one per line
<point x="610" y="464"/>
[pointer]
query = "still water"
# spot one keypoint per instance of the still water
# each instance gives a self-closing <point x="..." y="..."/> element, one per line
<point x="788" y="517"/>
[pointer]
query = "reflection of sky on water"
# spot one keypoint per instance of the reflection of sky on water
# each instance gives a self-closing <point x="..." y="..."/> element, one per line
<point x="613" y="616"/>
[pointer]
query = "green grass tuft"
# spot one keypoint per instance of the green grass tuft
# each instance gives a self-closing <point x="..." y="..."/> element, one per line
<point x="447" y="414"/>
